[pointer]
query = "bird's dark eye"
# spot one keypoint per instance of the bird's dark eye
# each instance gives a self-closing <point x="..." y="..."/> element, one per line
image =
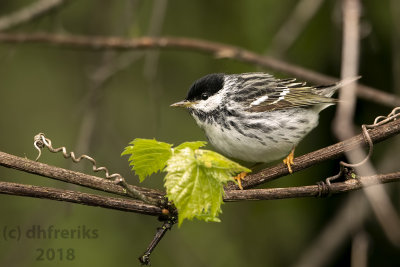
<point x="204" y="96"/>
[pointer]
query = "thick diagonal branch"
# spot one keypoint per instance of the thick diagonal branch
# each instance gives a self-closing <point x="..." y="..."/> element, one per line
<point x="377" y="134"/>
<point x="217" y="49"/>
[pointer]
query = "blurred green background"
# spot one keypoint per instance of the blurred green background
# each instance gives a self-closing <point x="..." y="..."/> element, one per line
<point x="62" y="92"/>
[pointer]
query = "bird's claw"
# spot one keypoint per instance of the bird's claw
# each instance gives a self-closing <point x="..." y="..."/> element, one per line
<point x="239" y="178"/>
<point x="288" y="161"/>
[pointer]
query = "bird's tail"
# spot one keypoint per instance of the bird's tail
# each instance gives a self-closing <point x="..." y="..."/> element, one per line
<point x="329" y="90"/>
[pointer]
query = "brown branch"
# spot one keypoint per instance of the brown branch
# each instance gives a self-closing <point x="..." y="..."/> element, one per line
<point x="29" y="13"/>
<point x="79" y="198"/>
<point x="232" y="195"/>
<point x="377" y="134"/>
<point x="311" y="190"/>
<point x="214" y="48"/>
<point x="72" y="177"/>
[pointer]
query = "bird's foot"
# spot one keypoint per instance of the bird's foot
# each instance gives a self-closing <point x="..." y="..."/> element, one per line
<point x="288" y="161"/>
<point x="239" y="178"/>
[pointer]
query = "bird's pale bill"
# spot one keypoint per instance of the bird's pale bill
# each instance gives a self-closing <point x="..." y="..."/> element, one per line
<point x="183" y="103"/>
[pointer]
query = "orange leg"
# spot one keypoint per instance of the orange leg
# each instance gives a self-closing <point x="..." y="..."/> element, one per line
<point x="289" y="161"/>
<point x="239" y="178"/>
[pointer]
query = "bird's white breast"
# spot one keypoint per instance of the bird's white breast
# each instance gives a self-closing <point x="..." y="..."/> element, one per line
<point x="261" y="145"/>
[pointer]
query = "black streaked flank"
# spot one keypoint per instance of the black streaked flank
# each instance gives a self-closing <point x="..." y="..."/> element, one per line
<point x="206" y="86"/>
<point x="272" y="139"/>
<point x="304" y="121"/>
<point x="237" y="128"/>
<point x="259" y="126"/>
<point x="291" y="128"/>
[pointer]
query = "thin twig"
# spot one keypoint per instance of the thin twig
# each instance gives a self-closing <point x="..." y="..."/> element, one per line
<point x="343" y="123"/>
<point x="216" y="49"/>
<point x="310" y="190"/>
<point x="79" y="198"/>
<point x="156" y="23"/>
<point x="161" y="231"/>
<point x="30" y="12"/>
<point x="295" y="23"/>
<point x="395" y="35"/>
<point x="359" y="249"/>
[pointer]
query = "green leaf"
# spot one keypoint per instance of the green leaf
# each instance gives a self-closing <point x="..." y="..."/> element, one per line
<point x="195" y="177"/>
<point x="192" y="145"/>
<point x="147" y="156"/>
<point x="195" y="182"/>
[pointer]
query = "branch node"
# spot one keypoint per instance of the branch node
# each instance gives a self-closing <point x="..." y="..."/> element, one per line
<point x="324" y="189"/>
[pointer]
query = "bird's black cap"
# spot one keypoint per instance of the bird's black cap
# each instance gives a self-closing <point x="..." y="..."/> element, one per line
<point x="206" y="86"/>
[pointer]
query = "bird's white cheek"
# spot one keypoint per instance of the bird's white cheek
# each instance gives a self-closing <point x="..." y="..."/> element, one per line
<point x="206" y="105"/>
<point x="199" y="105"/>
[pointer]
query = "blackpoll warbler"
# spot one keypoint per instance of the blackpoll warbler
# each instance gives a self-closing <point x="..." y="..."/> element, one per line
<point x="254" y="116"/>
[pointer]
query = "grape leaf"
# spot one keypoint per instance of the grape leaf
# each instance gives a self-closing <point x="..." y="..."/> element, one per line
<point x="193" y="145"/>
<point x="195" y="181"/>
<point x="147" y="156"/>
